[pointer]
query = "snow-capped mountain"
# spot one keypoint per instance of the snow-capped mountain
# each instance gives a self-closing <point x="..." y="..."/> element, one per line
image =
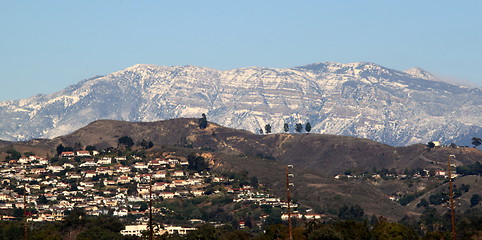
<point x="358" y="99"/>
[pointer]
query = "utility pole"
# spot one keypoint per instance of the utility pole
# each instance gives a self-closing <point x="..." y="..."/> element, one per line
<point x="451" y="198"/>
<point x="288" y="200"/>
<point x="151" y="231"/>
<point x="25" y="226"/>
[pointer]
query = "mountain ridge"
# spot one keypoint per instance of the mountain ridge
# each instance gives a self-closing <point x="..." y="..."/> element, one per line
<point x="358" y="99"/>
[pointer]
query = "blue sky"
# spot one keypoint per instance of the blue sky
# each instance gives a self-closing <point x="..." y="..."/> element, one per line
<point x="48" y="45"/>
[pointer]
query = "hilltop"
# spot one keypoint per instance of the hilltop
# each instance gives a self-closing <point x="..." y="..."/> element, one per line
<point x="317" y="158"/>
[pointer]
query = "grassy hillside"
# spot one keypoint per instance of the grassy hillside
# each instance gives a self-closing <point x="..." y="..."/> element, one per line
<point x="316" y="159"/>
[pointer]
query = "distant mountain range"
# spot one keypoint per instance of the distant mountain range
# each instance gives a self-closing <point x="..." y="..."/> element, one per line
<point x="356" y="99"/>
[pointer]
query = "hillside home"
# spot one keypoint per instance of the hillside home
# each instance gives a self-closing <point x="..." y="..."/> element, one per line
<point x="83" y="154"/>
<point x="122" y="169"/>
<point x="67" y="154"/>
<point x="89" y="173"/>
<point x="55" y="169"/>
<point x="104" y="170"/>
<point x="178" y="173"/>
<point x="124" y="180"/>
<point x="134" y="230"/>
<point x="167" y="195"/>
<point x="440" y="173"/>
<point x="154" y="164"/>
<point x="34" y="158"/>
<point x="23" y="160"/>
<point x="159" y="174"/>
<point x="121" y="212"/>
<point x="43" y="161"/>
<point x="104" y="161"/>
<point x="159" y="186"/>
<point x="140" y="165"/>
<point x="88" y="164"/>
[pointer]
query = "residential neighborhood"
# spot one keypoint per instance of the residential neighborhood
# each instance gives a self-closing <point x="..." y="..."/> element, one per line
<point x="46" y="190"/>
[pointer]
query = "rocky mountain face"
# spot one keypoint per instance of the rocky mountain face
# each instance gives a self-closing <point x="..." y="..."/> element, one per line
<point x="357" y="99"/>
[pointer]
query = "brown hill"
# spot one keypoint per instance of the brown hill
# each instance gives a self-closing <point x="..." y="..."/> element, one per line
<point x="317" y="158"/>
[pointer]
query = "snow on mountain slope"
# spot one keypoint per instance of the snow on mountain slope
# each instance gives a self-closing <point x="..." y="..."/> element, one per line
<point x="358" y="99"/>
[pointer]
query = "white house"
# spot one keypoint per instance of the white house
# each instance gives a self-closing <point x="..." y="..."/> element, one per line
<point x="134" y="230"/>
<point x="104" y="160"/>
<point x="83" y="154"/>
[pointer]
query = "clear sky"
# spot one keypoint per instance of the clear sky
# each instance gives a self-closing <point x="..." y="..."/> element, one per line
<point x="48" y="45"/>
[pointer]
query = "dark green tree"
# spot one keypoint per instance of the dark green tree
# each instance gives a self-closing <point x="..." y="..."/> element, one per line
<point x="474" y="200"/>
<point x="476" y="141"/>
<point x="431" y="218"/>
<point x="146" y="144"/>
<point x="46" y="232"/>
<point x="143" y="143"/>
<point x="275" y="231"/>
<point x="90" y="148"/>
<point x="11" y="230"/>
<point x="60" y="149"/>
<point x="308" y="127"/>
<point x="351" y="213"/>
<point x="430" y="145"/>
<point x="204" y="232"/>
<point x="253" y="182"/>
<point x="267" y="128"/>
<point x="274" y="217"/>
<point x="422" y="203"/>
<point x="203" y="122"/>
<point x="286" y="127"/>
<point x="384" y="230"/>
<point x="352" y="230"/>
<point x="298" y="127"/>
<point x="28" y="154"/>
<point x="42" y="199"/>
<point x="126" y="141"/>
<point x="438" y="198"/>
<point x="197" y="163"/>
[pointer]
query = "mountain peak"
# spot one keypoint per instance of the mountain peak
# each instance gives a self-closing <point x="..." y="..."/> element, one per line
<point x="420" y="73"/>
<point x="140" y="66"/>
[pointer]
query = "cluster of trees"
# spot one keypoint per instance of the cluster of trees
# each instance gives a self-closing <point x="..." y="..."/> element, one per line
<point x="351" y="213"/>
<point x="146" y="144"/>
<point x="431" y="225"/>
<point x="443" y="197"/>
<point x="127" y="142"/>
<point x="381" y="229"/>
<point x="124" y="141"/>
<point x="13" y="154"/>
<point x="75" y="226"/>
<point x="286" y="128"/>
<point x="77" y="147"/>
